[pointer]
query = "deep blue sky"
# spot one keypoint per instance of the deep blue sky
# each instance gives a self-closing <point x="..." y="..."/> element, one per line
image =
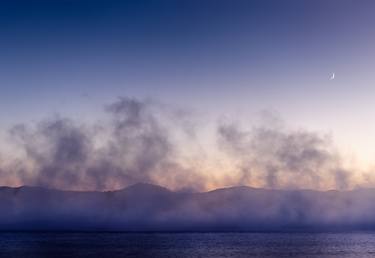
<point x="220" y="57"/>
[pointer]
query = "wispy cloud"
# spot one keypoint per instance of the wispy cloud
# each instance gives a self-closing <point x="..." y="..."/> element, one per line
<point x="138" y="142"/>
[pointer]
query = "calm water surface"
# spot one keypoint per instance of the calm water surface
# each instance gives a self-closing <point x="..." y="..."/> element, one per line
<point x="187" y="245"/>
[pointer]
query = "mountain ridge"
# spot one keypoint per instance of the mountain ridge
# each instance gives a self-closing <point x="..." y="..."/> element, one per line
<point x="155" y="186"/>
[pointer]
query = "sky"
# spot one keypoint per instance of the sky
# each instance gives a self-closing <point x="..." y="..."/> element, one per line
<point x="223" y="60"/>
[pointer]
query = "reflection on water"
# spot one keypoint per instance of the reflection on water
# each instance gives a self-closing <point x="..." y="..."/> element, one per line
<point x="187" y="244"/>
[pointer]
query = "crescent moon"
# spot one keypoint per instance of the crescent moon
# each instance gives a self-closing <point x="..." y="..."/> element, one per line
<point x="333" y="76"/>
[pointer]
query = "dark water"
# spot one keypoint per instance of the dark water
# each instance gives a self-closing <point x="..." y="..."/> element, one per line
<point x="187" y="245"/>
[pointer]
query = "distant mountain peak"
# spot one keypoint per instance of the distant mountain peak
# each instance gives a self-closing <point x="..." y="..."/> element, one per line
<point x="146" y="187"/>
<point x="235" y="188"/>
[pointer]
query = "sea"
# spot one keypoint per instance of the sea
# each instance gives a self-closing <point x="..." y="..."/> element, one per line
<point x="67" y="244"/>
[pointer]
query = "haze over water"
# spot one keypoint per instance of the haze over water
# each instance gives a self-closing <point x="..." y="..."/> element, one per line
<point x="187" y="116"/>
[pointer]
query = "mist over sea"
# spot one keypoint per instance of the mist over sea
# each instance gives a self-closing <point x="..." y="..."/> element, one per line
<point x="187" y="128"/>
<point x="49" y="244"/>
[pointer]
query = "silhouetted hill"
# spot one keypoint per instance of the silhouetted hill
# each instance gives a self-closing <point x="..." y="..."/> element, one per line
<point x="147" y="207"/>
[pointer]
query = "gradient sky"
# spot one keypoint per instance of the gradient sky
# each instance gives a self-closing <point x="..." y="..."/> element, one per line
<point x="221" y="58"/>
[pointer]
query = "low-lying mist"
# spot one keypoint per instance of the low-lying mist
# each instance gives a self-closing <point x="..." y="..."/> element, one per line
<point x="145" y="207"/>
